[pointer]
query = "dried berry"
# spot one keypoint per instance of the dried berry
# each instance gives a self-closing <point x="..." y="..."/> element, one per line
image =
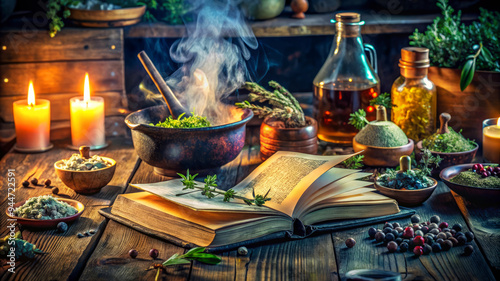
<point x="454" y="241"/>
<point x="387" y="230"/>
<point x="415" y="218"/>
<point x="55" y="190"/>
<point x="419" y="233"/>
<point x="427" y="249"/>
<point x="435" y="219"/>
<point x="416" y="226"/>
<point x="350" y="242"/>
<point x="399" y="240"/>
<point x="133" y="253"/>
<point x="433" y="225"/>
<point x="371" y="232"/>
<point x="379" y="236"/>
<point x="408" y="232"/>
<point x="399" y="229"/>
<point x="446" y="245"/>
<point x="389" y="237"/>
<point x="80" y="235"/>
<point x="425" y="229"/>
<point x="392" y="246"/>
<point x="62" y="227"/>
<point x="439" y="240"/>
<point x="92" y="231"/>
<point x="86" y="233"/>
<point x="388" y="225"/>
<point x="453" y="232"/>
<point x="34" y="181"/>
<point x="418" y="251"/>
<point x="396" y="224"/>
<point x="395" y="233"/>
<point x="242" y="251"/>
<point x="461" y="240"/>
<point x="47" y="182"/>
<point x="26" y="183"/>
<point x="403" y="247"/>
<point x="469" y="235"/>
<point x="434" y="231"/>
<point x="154" y="253"/>
<point x="418" y="240"/>
<point x="445" y="230"/>
<point x="448" y="235"/>
<point x="443" y="225"/>
<point x="436" y="247"/>
<point x="468" y="250"/>
<point x="441" y="235"/>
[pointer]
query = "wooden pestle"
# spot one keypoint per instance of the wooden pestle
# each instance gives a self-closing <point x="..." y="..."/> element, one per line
<point x="404" y="163"/>
<point x="84" y="151"/>
<point x="174" y="105"/>
<point x="381" y="113"/>
<point x="444" y="118"/>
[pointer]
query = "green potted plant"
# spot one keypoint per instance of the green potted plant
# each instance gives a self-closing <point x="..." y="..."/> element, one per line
<point x="285" y="127"/>
<point x="465" y="63"/>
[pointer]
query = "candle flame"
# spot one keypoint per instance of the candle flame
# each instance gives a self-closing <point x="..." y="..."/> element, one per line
<point x="86" y="89"/>
<point x="31" y="95"/>
<point x="498" y="122"/>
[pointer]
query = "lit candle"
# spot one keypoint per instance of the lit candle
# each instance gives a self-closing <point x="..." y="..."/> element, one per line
<point x="32" y="122"/>
<point x="491" y="142"/>
<point x="87" y="119"/>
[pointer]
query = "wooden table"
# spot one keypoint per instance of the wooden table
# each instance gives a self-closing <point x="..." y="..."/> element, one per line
<point x="104" y="256"/>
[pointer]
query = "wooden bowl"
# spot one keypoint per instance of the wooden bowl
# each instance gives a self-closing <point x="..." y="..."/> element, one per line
<point x="474" y="194"/>
<point x="107" y="18"/>
<point x="383" y="156"/>
<point x="44" y="224"/>
<point x="410" y="198"/>
<point x="86" y="182"/>
<point x="449" y="159"/>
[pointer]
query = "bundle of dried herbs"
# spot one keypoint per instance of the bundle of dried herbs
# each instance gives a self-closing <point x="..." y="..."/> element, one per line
<point x="448" y="142"/>
<point x="285" y="107"/>
<point x="454" y="44"/>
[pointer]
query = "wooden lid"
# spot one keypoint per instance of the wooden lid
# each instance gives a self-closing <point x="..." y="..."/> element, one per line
<point x="347" y="17"/>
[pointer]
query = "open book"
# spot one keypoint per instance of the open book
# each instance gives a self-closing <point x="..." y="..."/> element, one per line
<point x="304" y="189"/>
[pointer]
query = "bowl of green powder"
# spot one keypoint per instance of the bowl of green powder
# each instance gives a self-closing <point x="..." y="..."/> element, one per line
<point x="466" y="182"/>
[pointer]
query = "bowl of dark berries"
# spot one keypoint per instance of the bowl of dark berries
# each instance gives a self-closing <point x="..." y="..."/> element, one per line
<point x="479" y="183"/>
<point x="410" y="187"/>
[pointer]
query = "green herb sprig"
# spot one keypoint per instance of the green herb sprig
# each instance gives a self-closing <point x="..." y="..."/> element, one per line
<point x="210" y="190"/>
<point x="194" y="121"/>
<point x="383" y="99"/>
<point x="448" y="142"/>
<point x="358" y="119"/>
<point x="354" y="162"/>
<point x="195" y="254"/>
<point x="453" y="44"/>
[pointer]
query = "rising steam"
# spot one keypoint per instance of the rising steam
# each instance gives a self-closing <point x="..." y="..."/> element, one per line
<point x="213" y="56"/>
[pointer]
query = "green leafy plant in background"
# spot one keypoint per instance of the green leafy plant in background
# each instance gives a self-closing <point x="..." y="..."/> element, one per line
<point x="169" y="11"/>
<point x="56" y="12"/>
<point x="453" y="44"/>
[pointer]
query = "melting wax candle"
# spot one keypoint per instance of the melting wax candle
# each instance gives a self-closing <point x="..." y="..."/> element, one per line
<point x="32" y="122"/>
<point x="491" y="142"/>
<point x="87" y="119"/>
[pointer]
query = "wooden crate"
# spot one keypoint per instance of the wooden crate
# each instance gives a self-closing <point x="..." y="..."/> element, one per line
<point x="57" y="67"/>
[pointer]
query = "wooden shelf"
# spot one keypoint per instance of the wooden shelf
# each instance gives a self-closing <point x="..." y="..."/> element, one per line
<point x="313" y="24"/>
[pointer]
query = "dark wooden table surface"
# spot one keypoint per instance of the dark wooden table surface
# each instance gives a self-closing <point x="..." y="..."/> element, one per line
<point x="104" y="256"/>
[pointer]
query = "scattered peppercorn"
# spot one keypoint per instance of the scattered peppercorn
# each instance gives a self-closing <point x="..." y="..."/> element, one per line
<point x="435" y="219"/>
<point x="441" y="235"/>
<point x="427" y="249"/>
<point x="448" y="235"/>
<point x="388" y="225"/>
<point x="416" y="226"/>
<point x="379" y="236"/>
<point x="92" y="231"/>
<point x="446" y="245"/>
<point x="459" y="234"/>
<point x="79" y="235"/>
<point x="425" y="229"/>
<point x="387" y="230"/>
<point x="468" y="250"/>
<point x="457" y="227"/>
<point x="434" y="231"/>
<point x="399" y="240"/>
<point x="396" y="224"/>
<point x="433" y="225"/>
<point x="133" y="253"/>
<point x="34" y="181"/>
<point x="418" y="241"/>
<point x="454" y="241"/>
<point x="47" y="182"/>
<point x="350" y="242"/>
<point x="419" y="233"/>
<point x="443" y="225"/>
<point x="392" y="246"/>
<point x="26" y="183"/>
<point x="436" y="247"/>
<point x="408" y="232"/>
<point x="403" y="247"/>
<point x="418" y="251"/>
<point x="371" y="232"/>
<point x="242" y="251"/>
<point x="469" y="235"/>
<point x="399" y="229"/>
<point x="461" y="240"/>
<point x="439" y="240"/>
<point x="55" y="190"/>
<point x="415" y="218"/>
<point x="62" y="227"/>
<point x="154" y="253"/>
<point x="389" y="237"/>
<point x="86" y="233"/>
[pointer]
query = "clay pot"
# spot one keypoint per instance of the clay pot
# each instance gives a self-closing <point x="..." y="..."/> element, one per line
<point x="382" y="156"/>
<point x="274" y="137"/>
<point x="407" y="197"/>
<point x="86" y="182"/>
<point x="469" y="108"/>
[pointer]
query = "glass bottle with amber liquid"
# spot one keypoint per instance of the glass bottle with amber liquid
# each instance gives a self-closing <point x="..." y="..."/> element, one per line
<point x="414" y="96"/>
<point x="346" y="82"/>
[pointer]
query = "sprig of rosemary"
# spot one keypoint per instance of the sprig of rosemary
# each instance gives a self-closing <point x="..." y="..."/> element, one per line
<point x="354" y="162"/>
<point x="210" y="191"/>
<point x="195" y="254"/>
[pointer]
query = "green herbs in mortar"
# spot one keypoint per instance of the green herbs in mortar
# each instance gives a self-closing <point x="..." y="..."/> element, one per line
<point x="448" y="142"/>
<point x="479" y="176"/>
<point x="194" y="121"/>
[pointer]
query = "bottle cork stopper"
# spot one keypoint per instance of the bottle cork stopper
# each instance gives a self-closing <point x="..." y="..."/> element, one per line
<point x="444" y="118"/>
<point x="348" y="17"/>
<point x="381" y="113"/>
<point x="84" y="151"/>
<point x="405" y="163"/>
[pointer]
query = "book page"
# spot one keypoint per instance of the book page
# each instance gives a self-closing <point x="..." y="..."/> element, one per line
<point x="285" y="176"/>
<point x="193" y="199"/>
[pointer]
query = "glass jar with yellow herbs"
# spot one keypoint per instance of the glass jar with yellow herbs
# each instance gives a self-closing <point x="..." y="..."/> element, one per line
<point x="413" y="95"/>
